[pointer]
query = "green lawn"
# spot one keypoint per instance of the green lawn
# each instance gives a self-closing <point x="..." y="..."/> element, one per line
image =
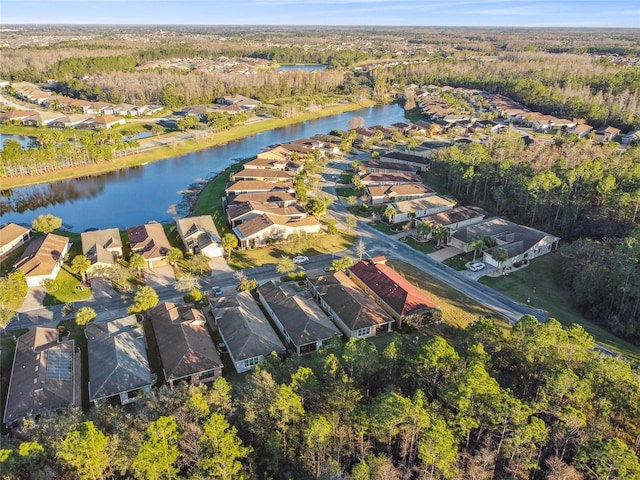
<point x="256" y="257"/>
<point x="459" y="261"/>
<point x="458" y="310"/>
<point x="424" y="247"/>
<point x="67" y="291"/>
<point x="541" y="282"/>
<point x="344" y="193"/>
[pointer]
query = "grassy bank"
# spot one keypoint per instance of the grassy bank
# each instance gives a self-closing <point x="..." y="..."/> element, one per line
<point x="541" y="283"/>
<point x="174" y="150"/>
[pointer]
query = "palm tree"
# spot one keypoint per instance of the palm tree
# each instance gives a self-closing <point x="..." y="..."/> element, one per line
<point x="477" y="245"/>
<point x="137" y="261"/>
<point x="439" y="233"/>
<point x="500" y="255"/>
<point x="390" y="212"/>
<point x="79" y="265"/>
<point x="229" y="242"/>
<point x="174" y="255"/>
<point x="423" y="228"/>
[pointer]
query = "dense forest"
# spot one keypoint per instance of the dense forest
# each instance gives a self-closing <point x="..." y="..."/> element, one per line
<point x="537" y="402"/>
<point x="576" y="190"/>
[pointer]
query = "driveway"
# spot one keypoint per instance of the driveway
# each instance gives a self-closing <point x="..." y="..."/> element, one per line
<point x="103" y="289"/>
<point x="33" y="300"/>
<point x="159" y="277"/>
<point x="219" y="265"/>
<point x="480" y="273"/>
<point x="445" y="253"/>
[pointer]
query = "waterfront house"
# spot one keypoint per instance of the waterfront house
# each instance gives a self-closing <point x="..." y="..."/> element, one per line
<point x="199" y="235"/>
<point x="12" y="236"/>
<point x="150" y="241"/>
<point x="43" y="259"/>
<point x="265" y="228"/>
<point x="101" y="247"/>
<point x="420" y="207"/>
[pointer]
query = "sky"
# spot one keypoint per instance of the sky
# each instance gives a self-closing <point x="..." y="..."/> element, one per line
<point x="502" y="13"/>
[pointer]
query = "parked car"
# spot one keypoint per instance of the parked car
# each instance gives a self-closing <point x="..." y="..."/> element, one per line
<point x="217" y="291"/>
<point x="476" y="266"/>
<point x="298" y="259"/>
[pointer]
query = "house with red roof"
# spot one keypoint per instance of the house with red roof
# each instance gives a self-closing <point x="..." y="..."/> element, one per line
<point x="396" y="295"/>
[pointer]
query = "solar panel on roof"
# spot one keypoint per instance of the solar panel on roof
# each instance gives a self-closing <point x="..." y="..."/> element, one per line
<point x="59" y="365"/>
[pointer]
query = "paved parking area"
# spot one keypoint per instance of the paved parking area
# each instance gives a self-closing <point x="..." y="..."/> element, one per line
<point x="159" y="277"/>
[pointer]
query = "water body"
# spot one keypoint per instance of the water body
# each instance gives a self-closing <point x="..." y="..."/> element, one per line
<point x="133" y="196"/>
<point x="24" y="141"/>
<point x="303" y="67"/>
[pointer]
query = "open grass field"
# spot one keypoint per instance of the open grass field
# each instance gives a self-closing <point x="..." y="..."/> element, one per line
<point x="541" y="282"/>
<point x="458" y="311"/>
<point x="69" y="289"/>
<point x="256" y="257"/>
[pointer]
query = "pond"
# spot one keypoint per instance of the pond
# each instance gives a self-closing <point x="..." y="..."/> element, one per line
<point x="154" y="191"/>
<point x="24" y="140"/>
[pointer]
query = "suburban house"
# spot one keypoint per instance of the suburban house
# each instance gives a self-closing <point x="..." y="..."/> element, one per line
<point x="521" y="243"/>
<point x="264" y="228"/>
<point x="418" y="162"/>
<point x="255" y="186"/>
<point x="101" y="247"/>
<point x="378" y="166"/>
<point x="357" y="315"/>
<point x="263" y="174"/>
<point x="457" y="217"/>
<point x="396" y="178"/>
<point x="16" y="115"/>
<point x="105" y="122"/>
<point x="397" y="296"/>
<point x="580" y="129"/>
<point x="199" y="111"/>
<point x="420" y="207"/>
<point x="242" y="212"/>
<point x="70" y="121"/>
<point x="150" y="241"/>
<point x="12" y="236"/>
<point x="186" y="348"/>
<point x="199" y="235"/>
<point x="118" y="363"/>
<point x="245" y="103"/>
<point x="606" y="134"/>
<point x="43" y="258"/>
<point x="268" y="163"/>
<point x="377" y="195"/>
<point x="275" y="197"/>
<point x="45" y="375"/>
<point x="245" y="330"/>
<point x="42" y="118"/>
<point x="302" y="323"/>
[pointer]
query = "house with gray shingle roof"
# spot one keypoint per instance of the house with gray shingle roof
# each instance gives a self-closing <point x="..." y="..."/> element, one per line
<point x="521" y="243"/>
<point x="245" y="330"/>
<point x="200" y="235"/>
<point x="45" y="375"/>
<point x="186" y="348"/>
<point x="118" y="364"/>
<point x="101" y="247"/>
<point x="350" y="308"/>
<point x="302" y="323"/>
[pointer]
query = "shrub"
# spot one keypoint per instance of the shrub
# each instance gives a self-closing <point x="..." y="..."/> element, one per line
<point x="194" y="296"/>
<point x="294" y="276"/>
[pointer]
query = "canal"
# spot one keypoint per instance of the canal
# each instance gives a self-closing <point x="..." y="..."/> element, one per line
<point x="137" y="195"/>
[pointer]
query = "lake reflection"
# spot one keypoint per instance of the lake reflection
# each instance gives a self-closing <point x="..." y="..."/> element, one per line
<point x="134" y="196"/>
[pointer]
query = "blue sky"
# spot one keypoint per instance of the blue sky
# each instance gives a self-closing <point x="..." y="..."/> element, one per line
<point x="514" y="13"/>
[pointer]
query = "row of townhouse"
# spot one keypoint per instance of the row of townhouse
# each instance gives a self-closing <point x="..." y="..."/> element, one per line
<point x="60" y="120"/>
